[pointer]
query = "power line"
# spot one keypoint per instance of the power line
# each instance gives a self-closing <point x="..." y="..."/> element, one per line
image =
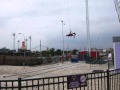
<point x="39" y="46"/>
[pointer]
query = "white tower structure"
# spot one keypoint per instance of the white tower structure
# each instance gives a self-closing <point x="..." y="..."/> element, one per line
<point x="117" y="6"/>
<point x="88" y="28"/>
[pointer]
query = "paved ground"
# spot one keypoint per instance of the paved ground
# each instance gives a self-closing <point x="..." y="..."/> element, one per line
<point x="58" y="69"/>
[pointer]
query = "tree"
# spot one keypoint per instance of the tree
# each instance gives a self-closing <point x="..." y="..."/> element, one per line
<point x="58" y="52"/>
<point x="74" y="51"/>
<point x="44" y="53"/>
<point x="52" y="51"/>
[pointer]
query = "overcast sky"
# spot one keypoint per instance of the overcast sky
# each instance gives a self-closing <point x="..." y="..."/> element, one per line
<point x="41" y="19"/>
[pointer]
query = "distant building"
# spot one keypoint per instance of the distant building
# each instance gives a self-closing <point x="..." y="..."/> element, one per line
<point x="4" y="50"/>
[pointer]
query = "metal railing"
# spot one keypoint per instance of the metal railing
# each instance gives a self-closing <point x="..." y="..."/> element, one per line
<point x="107" y="80"/>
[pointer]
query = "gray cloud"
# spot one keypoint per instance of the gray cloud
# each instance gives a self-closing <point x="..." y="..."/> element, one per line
<point x="41" y="19"/>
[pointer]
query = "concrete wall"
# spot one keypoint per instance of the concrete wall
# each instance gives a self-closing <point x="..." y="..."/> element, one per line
<point x="1" y="60"/>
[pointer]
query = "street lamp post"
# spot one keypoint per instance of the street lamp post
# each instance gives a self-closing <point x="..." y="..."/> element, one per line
<point x="24" y="41"/>
<point x="30" y="43"/>
<point x="40" y="49"/>
<point x="13" y="43"/>
<point x="63" y="40"/>
<point x="18" y="45"/>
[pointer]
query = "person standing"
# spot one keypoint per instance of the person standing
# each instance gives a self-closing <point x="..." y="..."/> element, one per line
<point x="109" y="59"/>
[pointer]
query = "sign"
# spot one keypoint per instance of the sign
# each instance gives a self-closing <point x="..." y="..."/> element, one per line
<point x="76" y="81"/>
<point x="117" y="55"/>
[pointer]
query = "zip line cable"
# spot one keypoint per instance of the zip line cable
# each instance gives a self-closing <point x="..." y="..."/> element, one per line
<point x="68" y="17"/>
<point x="68" y="12"/>
<point x="35" y="47"/>
<point x="39" y="46"/>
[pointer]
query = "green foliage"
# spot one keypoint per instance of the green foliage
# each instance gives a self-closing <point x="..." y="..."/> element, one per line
<point x="58" y="52"/>
<point x="74" y="51"/>
<point x="52" y="51"/>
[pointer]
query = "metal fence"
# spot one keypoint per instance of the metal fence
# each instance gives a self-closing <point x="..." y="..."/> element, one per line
<point x="107" y="80"/>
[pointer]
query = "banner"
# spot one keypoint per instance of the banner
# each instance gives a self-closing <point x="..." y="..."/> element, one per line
<point x="76" y="81"/>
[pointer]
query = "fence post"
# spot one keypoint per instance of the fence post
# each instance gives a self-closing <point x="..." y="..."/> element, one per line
<point x="19" y="83"/>
<point x="108" y="84"/>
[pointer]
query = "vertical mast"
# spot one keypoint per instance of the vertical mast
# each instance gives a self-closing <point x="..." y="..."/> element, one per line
<point x="30" y="43"/>
<point x="88" y="28"/>
<point x="40" y="49"/>
<point x="117" y="8"/>
<point x="13" y="43"/>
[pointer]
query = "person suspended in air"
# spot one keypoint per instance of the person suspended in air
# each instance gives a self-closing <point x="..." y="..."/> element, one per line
<point x="71" y="34"/>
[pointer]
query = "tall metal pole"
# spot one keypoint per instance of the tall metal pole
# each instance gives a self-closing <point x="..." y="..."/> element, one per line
<point x="88" y="28"/>
<point x="18" y="45"/>
<point x="63" y="39"/>
<point x="26" y="43"/>
<point x="40" y="49"/>
<point x="30" y="42"/>
<point x="117" y="6"/>
<point x="13" y="43"/>
<point x="67" y="48"/>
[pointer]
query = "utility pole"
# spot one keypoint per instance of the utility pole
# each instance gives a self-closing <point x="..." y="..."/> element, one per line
<point x="88" y="28"/>
<point x="26" y="43"/>
<point x="40" y="49"/>
<point x="63" y="42"/>
<point x="18" y="45"/>
<point x="30" y="42"/>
